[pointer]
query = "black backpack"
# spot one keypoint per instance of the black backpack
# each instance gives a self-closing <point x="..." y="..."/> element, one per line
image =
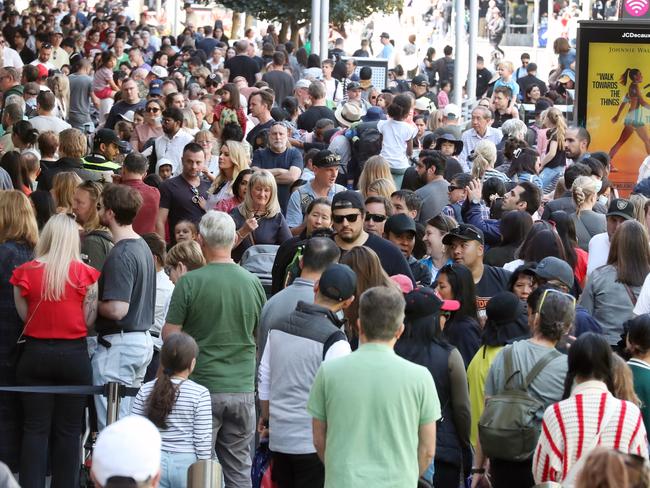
<point x="365" y="142"/>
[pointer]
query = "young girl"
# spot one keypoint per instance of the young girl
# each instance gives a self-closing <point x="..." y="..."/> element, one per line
<point x="229" y="109"/>
<point x="185" y="230"/>
<point x="443" y="94"/>
<point x="523" y="167"/>
<point x="398" y="136"/>
<point x="180" y="408"/>
<point x="554" y="161"/>
<point x="103" y="84"/>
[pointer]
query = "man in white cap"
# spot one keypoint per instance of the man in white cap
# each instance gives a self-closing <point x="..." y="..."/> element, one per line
<point x="127" y="453"/>
<point x="346" y="115"/>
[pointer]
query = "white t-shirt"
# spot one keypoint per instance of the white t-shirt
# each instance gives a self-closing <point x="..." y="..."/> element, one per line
<point x="598" y="252"/>
<point x="642" y="306"/>
<point x="11" y="58"/>
<point x="396" y="134"/>
<point x="334" y="89"/>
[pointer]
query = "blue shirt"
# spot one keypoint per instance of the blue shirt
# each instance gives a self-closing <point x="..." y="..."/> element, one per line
<point x="300" y="200"/>
<point x="267" y="159"/>
<point x="386" y="52"/>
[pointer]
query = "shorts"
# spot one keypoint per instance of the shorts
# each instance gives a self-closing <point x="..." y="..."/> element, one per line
<point x="106" y="92"/>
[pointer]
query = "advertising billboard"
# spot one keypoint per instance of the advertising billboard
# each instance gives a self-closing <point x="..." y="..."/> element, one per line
<point x="613" y="94"/>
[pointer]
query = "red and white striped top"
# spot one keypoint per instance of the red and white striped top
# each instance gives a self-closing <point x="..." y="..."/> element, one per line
<point x="570" y="426"/>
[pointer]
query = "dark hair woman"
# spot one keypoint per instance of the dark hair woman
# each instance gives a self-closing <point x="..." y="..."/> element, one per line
<point x="575" y="256"/>
<point x="504" y="313"/>
<point x="423" y="343"/>
<point x="462" y="330"/>
<point x="603" y="420"/>
<point x="514" y="228"/>
<point x="612" y="290"/>
<point x="638" y="346"/>
<point x="180" y="408"/>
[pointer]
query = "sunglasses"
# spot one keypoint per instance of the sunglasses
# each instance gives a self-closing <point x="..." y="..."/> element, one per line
<point x="338" y="219"/>
<point x="375" y="218"/>
<point x="195" y="195"/>
<point x="550" y="291"/>
<point x="154" y="110"/>
<point x="451" y="188"/>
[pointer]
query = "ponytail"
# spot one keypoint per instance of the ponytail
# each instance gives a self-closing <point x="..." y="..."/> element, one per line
<point x="625" y="76"/>
<point x="176" y="356"/>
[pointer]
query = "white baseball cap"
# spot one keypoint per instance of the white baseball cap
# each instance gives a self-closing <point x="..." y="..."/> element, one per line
<point x="128" y="448"/>
<point x="452" y="111"/>
<point x="159" y="71"/>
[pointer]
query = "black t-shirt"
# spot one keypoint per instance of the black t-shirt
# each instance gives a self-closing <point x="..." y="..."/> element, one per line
<point x="493" y="281"/>
<point x="176" y="195"/>
<point x="483" y="77"/>
<point x="307" y="120"/>
<point x="255" y="131"/>
<point x="391" y="258"/>
<point x="559" y="160"/>
<point x="465" y="335"/>
<point x="500" y="118"/>
<point x="242" y="65"/>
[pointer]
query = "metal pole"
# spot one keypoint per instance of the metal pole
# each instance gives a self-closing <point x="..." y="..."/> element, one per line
<point x="324" y="27"/>
<point x="112" y="402"/>
<point x="473" y="36"/>
<point x="536" y="24"/>
<point x="315" y="26"/>
<point x="459" y="6"/>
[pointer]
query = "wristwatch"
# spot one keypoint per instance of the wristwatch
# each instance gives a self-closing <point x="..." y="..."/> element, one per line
<point x="476" y="201"/>
<point x="477" y="471"/>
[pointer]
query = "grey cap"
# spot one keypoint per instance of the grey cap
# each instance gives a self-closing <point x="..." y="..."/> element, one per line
<point x="552" y="268"/>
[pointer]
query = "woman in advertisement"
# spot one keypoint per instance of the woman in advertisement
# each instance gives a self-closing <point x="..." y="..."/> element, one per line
<point x="635" y="119"/>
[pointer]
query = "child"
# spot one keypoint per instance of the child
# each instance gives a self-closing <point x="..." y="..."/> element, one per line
<point x="164" y="289"/>
<point x="184" y="230"/>
<point x="180" y="408"/>
<point x="398" y="135"/>
<point x="457" y="194"/>
<point x="164" y="169"/>
<point x="505" y="71"/>
<point x="103" y="84"/>
<point x="229" y="109"/>
<point x="443" y="94"/>
<point x="183" y="257"/>
<point x="554" y="161"/>
<point x="638" y="345"/>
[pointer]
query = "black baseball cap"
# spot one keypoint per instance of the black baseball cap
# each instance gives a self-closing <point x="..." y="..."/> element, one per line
<point x="338" y="282"/>
<point x="420" y="80"/>
<point x="326" y="159"/>
<point x="620" y="207"/>
<point x="466" y="232"/>
<point x="109" y="136"/>
<point x="385" y="34"/>
<point x="400" y="224"/>
<point x="347" y="199"/>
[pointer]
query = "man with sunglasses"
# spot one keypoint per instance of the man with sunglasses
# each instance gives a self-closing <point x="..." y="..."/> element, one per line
<point x="378" y="209"/>
<point x="348" y="215"/>
<point x="326" y="168"/>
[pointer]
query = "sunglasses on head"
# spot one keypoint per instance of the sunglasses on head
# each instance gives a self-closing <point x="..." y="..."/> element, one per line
<point x="375" y="218"/>
<point x="338" y="219"/>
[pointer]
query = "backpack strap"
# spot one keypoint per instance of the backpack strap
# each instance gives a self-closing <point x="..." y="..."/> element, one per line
<point x="337" y="335"/>
<point x="540" y="365"/>
<point x="509" y="366"/>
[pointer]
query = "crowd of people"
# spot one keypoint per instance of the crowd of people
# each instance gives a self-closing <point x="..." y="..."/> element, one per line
<point x="373" y="286"/>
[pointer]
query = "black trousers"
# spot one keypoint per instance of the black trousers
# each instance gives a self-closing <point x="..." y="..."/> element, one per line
<point x="446" y="475"/>
<point x="298" y="470"/>
<point x="45" y="363"/>
<point x="511" y="474"/>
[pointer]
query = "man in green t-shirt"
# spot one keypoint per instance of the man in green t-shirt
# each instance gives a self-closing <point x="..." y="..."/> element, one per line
<point x="375" y="413"/>
<point x="219" y="306"/>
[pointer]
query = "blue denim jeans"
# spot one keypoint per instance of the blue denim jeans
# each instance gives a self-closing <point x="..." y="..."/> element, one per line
<point x="125" y="362"/>
<point x="173" y="468"/>
<point x="549" y="177"/>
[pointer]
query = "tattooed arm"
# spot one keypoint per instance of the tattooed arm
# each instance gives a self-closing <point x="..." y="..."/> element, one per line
<point x="90" y="305"/>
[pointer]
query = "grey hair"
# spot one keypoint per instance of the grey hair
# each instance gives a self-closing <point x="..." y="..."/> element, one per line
<point x="381" y="312"/>
<point x="15" y="111"/>
<point x="515" y="128"/>
<point x="15" y="100"/>
<point x="217" y="229"/>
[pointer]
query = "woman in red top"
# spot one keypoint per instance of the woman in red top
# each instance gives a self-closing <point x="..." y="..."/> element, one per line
<point x="56" y="297"/>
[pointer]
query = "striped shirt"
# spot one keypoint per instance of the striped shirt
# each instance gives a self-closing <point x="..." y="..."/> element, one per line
<point x="189" y="424"/>
<point x="570" y="427"/>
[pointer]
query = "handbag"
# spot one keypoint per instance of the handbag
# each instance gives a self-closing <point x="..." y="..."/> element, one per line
<point x="19" y="347"/>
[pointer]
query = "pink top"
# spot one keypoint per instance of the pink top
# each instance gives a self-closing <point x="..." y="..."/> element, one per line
<point x="102" y="78"/>
<point x="443" y="99"/>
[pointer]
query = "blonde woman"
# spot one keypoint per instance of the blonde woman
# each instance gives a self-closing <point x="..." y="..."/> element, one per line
<point x="375" y="168"/>
<point x="258" y="218"/>
<point x="382" y="188"/>
<point x="190" y="125"/>
<point x="588" y="223"/>
<point x="60" y="86"/>
<point x="436" y="120"/>
<point x="63" y="189"/>
<point x="18" y="236"/>
<point x="483" y="158"/>
<point x="97" y="240"/>
<point x="234" y="157"/>
<point x="56" y="297"/>
<point x="200" y="110"/>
